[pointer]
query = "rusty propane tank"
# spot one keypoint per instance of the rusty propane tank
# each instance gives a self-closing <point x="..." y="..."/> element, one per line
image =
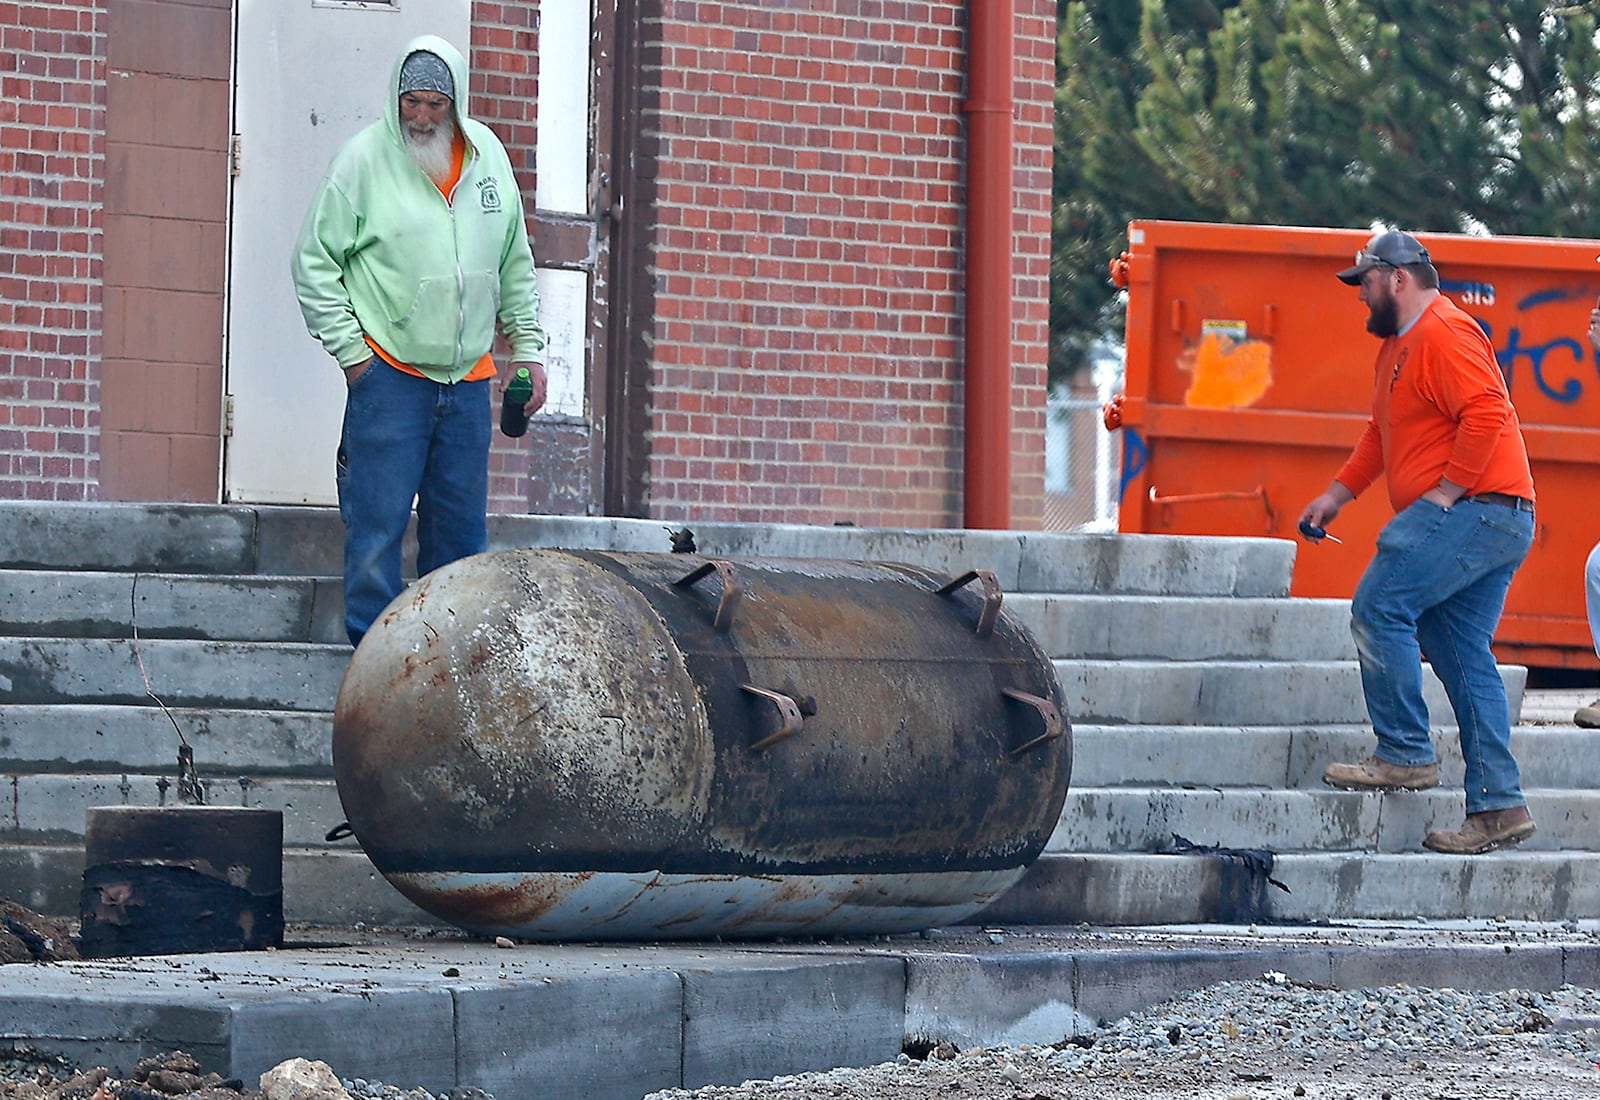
<point x="557" y="744"/>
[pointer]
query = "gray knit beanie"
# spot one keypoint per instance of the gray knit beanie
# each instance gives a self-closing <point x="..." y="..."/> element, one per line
<point x="426" y="72"/>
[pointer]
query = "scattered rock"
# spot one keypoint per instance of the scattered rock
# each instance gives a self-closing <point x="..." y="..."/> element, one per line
<point x="175" y="1074"/>
<point x="300" y="1079"/>
<point x="32" y="1076"/>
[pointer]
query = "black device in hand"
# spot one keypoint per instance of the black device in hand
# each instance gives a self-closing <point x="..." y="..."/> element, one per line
<point x="1315" y="533"/>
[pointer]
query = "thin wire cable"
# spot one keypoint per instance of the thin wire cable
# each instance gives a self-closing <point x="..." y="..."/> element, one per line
<point x="189" y="787"/>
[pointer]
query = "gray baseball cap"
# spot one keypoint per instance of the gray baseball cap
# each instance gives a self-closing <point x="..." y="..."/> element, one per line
<point x="1390" y="248"/>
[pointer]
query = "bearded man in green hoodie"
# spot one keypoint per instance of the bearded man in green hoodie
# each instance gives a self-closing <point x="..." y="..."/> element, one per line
<point x="414" y="252"/>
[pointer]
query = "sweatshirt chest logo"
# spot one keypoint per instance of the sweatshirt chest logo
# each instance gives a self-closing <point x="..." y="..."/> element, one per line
<point x="489" y="195"/>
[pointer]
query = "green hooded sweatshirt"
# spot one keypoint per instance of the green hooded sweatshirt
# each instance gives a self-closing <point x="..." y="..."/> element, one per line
<point x="382" y="254"/>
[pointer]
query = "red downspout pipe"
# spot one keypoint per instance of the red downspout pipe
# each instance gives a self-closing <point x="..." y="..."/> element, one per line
<point x="991" y="32"/>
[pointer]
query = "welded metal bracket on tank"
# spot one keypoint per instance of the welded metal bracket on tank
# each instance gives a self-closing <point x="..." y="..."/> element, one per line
<point x="788" y="710"/>
<point x="1053" y="726"/>
<point x="992" y="597"/>
<point x="732" y="590"/>
<point x="727" y="605"/>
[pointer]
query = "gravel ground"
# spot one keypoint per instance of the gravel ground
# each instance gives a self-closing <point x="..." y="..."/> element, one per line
<point x="1255" y="1040"/>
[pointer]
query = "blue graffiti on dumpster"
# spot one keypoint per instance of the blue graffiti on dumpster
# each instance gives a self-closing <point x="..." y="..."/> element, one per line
<point x="1134" y="455"/>
<point x="1514" y="349"/>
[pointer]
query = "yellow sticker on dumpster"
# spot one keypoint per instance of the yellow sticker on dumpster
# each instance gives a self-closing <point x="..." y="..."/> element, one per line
<point x="1228" y="370"/>
<point x="1234" y="331"/>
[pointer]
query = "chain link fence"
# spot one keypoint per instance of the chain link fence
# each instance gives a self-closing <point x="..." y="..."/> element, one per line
<point x="1082" y="460"/>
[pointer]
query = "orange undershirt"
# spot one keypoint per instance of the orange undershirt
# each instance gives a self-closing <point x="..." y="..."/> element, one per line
<point x="483" y="368"/>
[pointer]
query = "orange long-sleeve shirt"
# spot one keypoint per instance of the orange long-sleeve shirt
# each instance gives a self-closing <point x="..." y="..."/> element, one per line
<point x="1440" y="409"/>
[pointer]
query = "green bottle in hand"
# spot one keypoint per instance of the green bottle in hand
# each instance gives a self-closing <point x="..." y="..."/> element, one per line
<point x="512" y="419"/>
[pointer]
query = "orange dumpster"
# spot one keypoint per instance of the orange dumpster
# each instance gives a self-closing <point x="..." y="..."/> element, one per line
<point x="1249" y="378"/>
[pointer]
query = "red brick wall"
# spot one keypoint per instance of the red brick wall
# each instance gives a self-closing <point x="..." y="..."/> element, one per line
<point x="52" y="157"/>
<point x="809" y="261"/>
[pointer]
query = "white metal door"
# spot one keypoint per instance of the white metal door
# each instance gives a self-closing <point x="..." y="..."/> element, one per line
<point x="307" y="75"/>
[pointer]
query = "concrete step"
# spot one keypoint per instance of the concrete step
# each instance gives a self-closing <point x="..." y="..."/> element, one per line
<point x="306" y="676"/>
<point x="1174" y="628"/>
<point x="1236" y="693"/>
<point x="1141" y="819"/>
<point x="1296" y="756"/>
<point x="63" y="604"/>
<point x="337" y="886"/>
<point x="237" y="539"/>
<point x="235" y="675"/>
<point x="88" y="738"/>
<point x="171" y="538"/>
<point x="1022" y="561"/>
<point x="1135" y="889"/>
<point x="1157" y="565"/>
<point x="51" y="808"/>
<point x="261" y="608"/>
<point x="93" y="738"/>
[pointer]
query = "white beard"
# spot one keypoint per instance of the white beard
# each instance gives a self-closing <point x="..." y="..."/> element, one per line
<point x="432" y="152"/>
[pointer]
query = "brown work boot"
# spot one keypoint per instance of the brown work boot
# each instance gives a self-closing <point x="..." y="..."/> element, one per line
<point x="1373" y="774"/>
<point x="1588" y="717"/>
<point x="1484" y="833"/>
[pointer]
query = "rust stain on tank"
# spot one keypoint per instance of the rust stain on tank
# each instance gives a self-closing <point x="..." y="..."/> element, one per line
<point x="796" y="897"/>
<point x="485" y="904"/>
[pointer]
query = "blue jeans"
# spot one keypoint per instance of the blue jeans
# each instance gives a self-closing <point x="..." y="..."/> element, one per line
<point x="406" y="437"/>
<point x="1436" y="588"/>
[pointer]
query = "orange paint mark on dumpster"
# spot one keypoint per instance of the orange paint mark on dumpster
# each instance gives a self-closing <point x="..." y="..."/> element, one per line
<point x="1227" y="374"/>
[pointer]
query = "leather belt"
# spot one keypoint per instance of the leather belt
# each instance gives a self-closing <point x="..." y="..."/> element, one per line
<point x="1505" y="500"/>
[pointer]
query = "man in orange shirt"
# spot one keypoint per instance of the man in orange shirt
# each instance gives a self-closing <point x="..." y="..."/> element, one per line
<point x="1444" y="435"/>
